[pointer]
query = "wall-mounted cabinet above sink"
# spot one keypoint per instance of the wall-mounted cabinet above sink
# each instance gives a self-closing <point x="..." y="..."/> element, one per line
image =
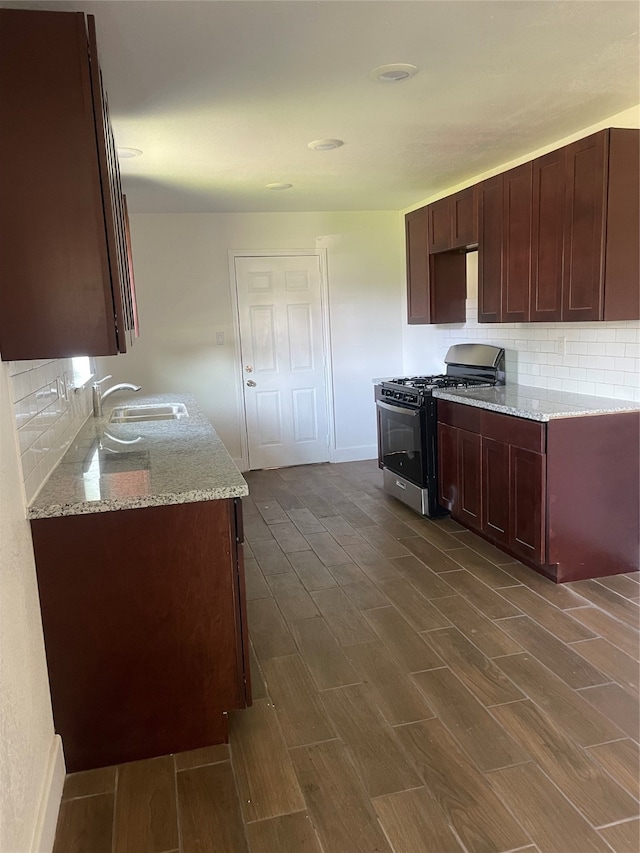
<point x="66" y="279"/>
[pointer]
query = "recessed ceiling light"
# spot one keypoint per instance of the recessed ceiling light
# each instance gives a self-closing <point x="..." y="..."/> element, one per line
<point x="125" y="153"/>
<point x="394" y="73"/>
<point x="325" y="144"/>
<point x="278" y="186"/>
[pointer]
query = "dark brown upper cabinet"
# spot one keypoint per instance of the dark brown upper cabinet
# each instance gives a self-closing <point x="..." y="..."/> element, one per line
<point x="65" y="284"/>
<point x="601" y="227"/>
<point x="490" y="247"/>
<point x="436" y="283"/>
<point x="436" y="266"/>
<point x="504" y="247"/>
<point x="418" y="303"/>
<point x="547" y="236"/>
<point x="558" y="236"/>
<point x="453" y="221"/>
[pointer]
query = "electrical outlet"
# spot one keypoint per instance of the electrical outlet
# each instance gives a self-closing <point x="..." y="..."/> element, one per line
<point x="561" y="345"/>
<point x="219" y="339"/>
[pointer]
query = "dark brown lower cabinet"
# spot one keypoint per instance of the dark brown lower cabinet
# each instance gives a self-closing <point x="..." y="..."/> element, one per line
<point x="561" y="496"/>
<point x="144" y="618"/>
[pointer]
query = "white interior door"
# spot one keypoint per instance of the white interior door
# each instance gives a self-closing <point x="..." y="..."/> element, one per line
<point x="283" y="360"/>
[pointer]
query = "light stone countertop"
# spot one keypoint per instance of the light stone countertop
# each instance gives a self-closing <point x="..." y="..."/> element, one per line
<point x="113" y="466"/>
<point x="536" y="404"/>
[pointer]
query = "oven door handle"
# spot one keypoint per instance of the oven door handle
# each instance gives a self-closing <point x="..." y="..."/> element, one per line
<point x="414" y="413"/>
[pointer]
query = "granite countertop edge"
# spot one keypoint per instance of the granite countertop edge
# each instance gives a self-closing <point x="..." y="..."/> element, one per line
<point x="172" y="445"/>
<point x="537" y="404"/>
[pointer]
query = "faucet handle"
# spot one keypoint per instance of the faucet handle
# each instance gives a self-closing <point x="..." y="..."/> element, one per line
<point x="100" y="381"/>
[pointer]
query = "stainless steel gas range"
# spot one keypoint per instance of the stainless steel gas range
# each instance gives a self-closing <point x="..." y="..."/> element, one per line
<point x="407" y="419"/>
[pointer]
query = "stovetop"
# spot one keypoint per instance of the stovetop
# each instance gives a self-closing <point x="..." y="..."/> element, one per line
<point x="468" y="366"/>
<point x="415" y="390"/>
<point x="422" y="383"/>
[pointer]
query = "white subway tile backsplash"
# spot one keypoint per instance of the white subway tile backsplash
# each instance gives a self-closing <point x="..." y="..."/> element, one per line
<point x="605" y="362"/>
<point x="46" y="422"/>
<point x="627" y="335"/>
<point x="601" y="359"/>
<point x="615" y="349"/>
<point x="588" y="334"/>
<point x="606" y="333"/>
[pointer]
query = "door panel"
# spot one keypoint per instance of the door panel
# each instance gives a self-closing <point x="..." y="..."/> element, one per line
<point x="300" y="338"/>
<point x="418" y="304"/>
<point x="547" y="236"/>
<point x="470" y="472"/>
<point x="495" y="485"/>
<point x="583" y="279"/>
<point x="285" y="392"/>
<point x="517" y="234"/>
<point x="527" y="516"/>
<point x="448" y="467"/>
<point x="263" y="338"/>
<point x="268" y="418"/>
<point x="305" y="417"/>
<point x="490" y="242"/>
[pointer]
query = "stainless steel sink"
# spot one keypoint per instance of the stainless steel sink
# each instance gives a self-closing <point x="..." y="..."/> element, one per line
<point x="129" y="414"/>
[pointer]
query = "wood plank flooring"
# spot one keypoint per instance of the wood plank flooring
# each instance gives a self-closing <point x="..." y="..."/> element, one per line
<point x="415" y="691"/>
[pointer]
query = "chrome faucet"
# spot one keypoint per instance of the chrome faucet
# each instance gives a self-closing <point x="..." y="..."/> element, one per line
<point x="100" y="396"/>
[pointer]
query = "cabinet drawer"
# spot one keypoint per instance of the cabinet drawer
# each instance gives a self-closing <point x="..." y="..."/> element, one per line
<point x="518" y="432"/>
<point x="460" y="415"/>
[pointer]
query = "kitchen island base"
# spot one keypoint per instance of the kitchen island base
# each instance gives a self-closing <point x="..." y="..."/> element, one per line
<point x="145" y="628"/>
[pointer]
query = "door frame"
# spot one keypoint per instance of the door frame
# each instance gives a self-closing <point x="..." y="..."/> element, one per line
<point x="321" y="254"/>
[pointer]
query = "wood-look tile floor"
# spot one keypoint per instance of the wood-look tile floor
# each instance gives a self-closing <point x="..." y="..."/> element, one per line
<point x="415" y="690"/>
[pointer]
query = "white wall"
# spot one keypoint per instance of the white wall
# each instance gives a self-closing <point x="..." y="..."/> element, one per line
<point x="31" y="766"/>
<point x="601" y="359"/>
<point x="182" y="283"/>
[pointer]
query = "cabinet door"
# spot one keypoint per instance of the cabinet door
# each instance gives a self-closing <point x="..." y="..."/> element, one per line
<point x="418" y="305"/>
<point x="439" y="217"/>
<point x="448" y="287"/>
<point x="527" y="515"/>
<point x="495" y="490"/>
<point x="469" y="507"/>
<point x="464" y="218"/>
<point x="448" y="467"/>
<point x="55" y="285"/>
<point x="622" y="263"/>
<point x="516" y="263"/>
<point x="490" y="242"/>
<point x="64" y="284"/>
<point x="115" y="215"/>
<point x="143" y="618"/>
<point x="583" y="274"/>
<point x="547" y="236"/>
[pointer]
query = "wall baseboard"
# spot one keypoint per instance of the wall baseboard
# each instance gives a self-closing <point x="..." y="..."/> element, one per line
<point x="45" y="831"/>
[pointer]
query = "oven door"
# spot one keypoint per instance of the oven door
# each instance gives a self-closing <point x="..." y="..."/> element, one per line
<point x="401" y="441"/>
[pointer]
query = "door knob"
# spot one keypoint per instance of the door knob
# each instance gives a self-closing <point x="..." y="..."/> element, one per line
<point x="249" y="368"/>
<point x="251" y="383"/>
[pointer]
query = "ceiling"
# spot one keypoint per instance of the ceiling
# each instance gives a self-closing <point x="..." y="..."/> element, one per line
<point x="223" y="96"/>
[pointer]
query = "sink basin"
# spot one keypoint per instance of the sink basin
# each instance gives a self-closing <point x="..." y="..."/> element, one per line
<point x="129" y="414"/>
